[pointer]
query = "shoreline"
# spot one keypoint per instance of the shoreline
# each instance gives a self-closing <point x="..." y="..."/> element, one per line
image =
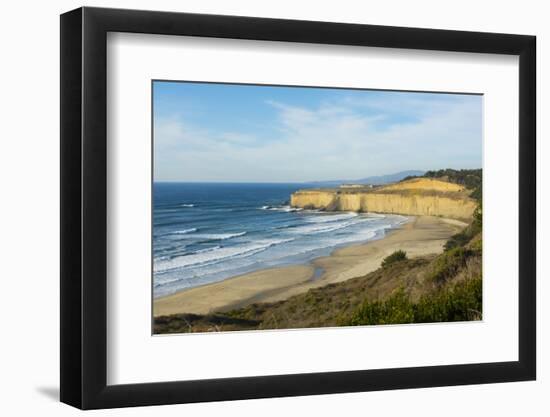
<point x="422" y="235"/>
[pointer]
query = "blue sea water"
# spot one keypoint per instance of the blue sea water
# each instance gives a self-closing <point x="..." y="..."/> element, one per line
<point x="206" y="232"/>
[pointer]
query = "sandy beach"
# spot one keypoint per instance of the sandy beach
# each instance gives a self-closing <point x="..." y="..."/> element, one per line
<point x="421" y="236"/>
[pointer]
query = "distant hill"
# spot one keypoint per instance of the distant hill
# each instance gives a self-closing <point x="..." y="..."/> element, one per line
<point x="375" y="180"/>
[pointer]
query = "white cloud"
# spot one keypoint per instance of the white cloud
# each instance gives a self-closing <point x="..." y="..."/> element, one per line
<point x="331" y="141"/>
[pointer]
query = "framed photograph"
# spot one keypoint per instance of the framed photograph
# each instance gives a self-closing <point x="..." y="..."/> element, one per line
<point x="258" y="208"/>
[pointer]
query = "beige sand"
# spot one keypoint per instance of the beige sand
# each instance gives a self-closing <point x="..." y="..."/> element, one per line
<point x="423" y="235"/>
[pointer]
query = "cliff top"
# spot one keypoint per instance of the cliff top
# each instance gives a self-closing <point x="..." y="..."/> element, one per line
<point x="429" y="184"/>
<point x="423" y="186"/>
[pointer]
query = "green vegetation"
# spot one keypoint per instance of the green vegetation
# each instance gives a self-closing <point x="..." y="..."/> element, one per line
<point x="397" y="256"/>
<point x="448" y="264"/>
<point x="189" y="323"/>
<point x="397" y="309"/>
<point x="459" y="302"/>
<point x="470" y="178"/>
<point x="465" y="236"/>
<point x="458" y="240"/>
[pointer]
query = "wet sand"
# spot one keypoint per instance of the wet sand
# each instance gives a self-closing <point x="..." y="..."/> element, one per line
<point x="421" y="236"/>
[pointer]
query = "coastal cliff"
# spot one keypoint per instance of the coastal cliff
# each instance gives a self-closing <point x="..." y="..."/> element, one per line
<point x="416" y="197"/>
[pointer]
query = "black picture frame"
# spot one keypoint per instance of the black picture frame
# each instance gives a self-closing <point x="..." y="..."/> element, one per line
<point x="84" y="207"/>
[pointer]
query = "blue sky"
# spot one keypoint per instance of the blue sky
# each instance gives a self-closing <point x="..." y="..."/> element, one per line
<point x="248" y="133"/>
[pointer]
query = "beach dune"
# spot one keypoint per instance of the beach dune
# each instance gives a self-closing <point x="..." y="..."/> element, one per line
<point x="420" y="236"/>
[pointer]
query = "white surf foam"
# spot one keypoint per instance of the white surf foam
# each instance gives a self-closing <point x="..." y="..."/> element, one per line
<point x="208" y="249"/>
<point x="218" y="236"/>
<point x="189" y="234"/>
<point x="286" y="209"/>
<point x="184" y="231"/>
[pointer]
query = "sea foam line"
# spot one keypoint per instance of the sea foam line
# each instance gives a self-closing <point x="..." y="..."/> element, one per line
<point x="215" y="256"/>
<point x="326" y="218"/>
<point x="324" y="227"/>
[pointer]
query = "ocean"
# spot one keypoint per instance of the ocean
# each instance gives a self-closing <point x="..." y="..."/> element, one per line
<point x="207" y="232"/>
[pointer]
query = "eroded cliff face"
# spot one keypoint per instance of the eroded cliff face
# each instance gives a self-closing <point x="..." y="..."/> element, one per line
<point x="389" y="200"/>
